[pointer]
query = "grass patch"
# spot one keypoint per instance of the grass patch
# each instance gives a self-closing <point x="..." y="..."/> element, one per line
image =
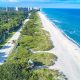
<point x="22" y="55"/>
<point x="40" y="41"/>
<point x="34" y="36"/>
<point x="46" y="59"/>
<point x="45" y="74"/>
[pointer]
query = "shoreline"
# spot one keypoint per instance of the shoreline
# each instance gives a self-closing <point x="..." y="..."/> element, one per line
<point x="65" y="49"/>
<point x="61" y="31"/>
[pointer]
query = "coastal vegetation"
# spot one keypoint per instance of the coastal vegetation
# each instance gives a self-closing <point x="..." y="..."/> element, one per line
<point x="10" y="21"/>
<point x="33" y="38"/>
<point x="17" y="71"/>
<point x="21" y="55"/>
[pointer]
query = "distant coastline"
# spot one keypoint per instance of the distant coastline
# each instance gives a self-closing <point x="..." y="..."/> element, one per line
<point x="66" y="35"/>
<point x="68" y="52"/>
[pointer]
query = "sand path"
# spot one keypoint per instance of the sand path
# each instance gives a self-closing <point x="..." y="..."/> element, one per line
<point x="9" y="46"/>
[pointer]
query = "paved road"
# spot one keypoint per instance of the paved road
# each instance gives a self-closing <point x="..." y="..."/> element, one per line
<point x="9" y="46"/>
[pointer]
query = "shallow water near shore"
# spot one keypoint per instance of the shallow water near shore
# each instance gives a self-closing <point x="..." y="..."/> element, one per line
<point x="67" y="20"/>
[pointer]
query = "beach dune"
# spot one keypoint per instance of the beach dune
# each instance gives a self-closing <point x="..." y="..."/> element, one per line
<point x="68" y="53"/>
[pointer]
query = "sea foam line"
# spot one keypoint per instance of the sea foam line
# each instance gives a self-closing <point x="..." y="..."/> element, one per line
<point x="72" y="40"/>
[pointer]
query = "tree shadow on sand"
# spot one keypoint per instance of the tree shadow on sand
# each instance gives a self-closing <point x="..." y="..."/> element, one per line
<point x="2" y="57"/>
<point x="5" y="47"/>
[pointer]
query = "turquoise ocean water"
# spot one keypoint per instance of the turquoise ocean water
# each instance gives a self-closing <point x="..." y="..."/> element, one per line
<point x="67" y="20"/>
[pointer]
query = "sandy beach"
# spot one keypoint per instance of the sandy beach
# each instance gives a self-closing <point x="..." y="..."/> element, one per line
<point x="67" y="52"/>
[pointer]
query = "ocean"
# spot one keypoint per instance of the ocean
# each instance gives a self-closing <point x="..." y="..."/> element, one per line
<point x="67" y="20"/>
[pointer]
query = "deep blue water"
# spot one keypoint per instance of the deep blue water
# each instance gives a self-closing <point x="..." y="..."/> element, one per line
<point x="68" y="20"/>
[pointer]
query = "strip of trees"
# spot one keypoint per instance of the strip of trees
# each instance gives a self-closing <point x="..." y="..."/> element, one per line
<point x="10" y="21"/>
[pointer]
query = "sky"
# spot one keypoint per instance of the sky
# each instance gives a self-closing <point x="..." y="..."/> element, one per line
<point x="70" y="1"/>
<point x="41" y="3"/>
